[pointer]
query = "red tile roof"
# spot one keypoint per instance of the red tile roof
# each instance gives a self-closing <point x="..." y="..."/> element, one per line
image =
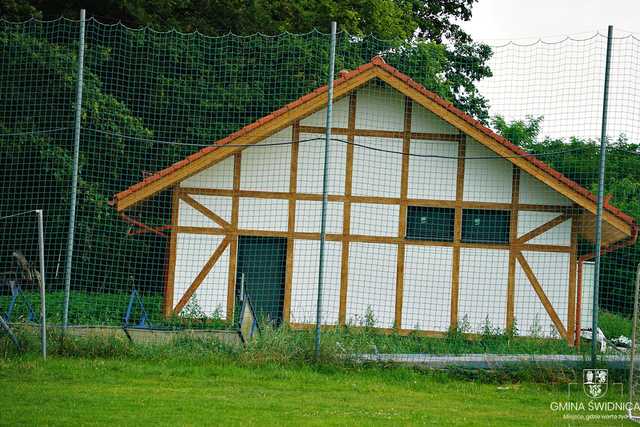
<point x="347" y="75"/>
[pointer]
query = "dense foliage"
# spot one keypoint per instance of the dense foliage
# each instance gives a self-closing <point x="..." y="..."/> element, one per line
<point x="396" y="21"/>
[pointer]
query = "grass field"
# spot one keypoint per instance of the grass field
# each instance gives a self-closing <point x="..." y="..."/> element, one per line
<point x="80" y="391"/>
<point x="197" y="382"/>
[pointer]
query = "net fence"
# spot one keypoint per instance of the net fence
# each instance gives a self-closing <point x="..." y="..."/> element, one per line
<point x="437" y="229"/>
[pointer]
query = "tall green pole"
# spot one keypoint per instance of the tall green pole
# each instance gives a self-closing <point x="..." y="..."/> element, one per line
<point x="603" y="153"/>
<point x="74" y="175"/>
<point x="325" y="184"/>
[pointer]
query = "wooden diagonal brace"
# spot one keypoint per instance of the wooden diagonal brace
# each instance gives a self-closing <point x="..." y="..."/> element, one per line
<point x="202" y="275"/>
<point x="541" y="295"/>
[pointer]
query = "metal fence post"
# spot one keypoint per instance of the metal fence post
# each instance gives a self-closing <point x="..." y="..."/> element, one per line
<point x="74" y="176"/>
<point x="598" y="243"/>
<point x="325" y="184"/>
<point x="43" y="301"/>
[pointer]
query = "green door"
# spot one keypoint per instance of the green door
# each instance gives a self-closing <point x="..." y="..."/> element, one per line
<point x="261" y="274"/>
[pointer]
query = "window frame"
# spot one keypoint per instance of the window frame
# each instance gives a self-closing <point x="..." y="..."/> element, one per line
<point x="502" y="219"/>
<point x="412" y="233"/>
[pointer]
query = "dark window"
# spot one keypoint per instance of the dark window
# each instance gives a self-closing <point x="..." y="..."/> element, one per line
<point x="485" y="226"/>
<point x="427" y="223"/>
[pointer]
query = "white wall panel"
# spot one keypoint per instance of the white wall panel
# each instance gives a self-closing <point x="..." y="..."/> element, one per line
<point x="374" y="219"/>
<point x="189" y="217"/>
<point x="483" y="288"/>
<point x="372" y="283"/>
<point x="379" y="108"/>
<point x="308" y="216"/>
<point x="426" y="303"/>
<point x="192" y="253"/>
<point x="266" y="167"/>
<point x="263" y="214"/>
<point x="304" y="287"/>
<point x="552" y="271"/>
<point x="376" y="173"/>
<point x="423" y="120"/>
<point x="587" y="295"/>
<point x="311" y="161"/>
<point x="433" y="178"/>
<point x="535" y="192"/>
<point x="340" y="117"/>
<point x="558" y="235"/>
<point x="486" y="179"/>
<point x="219" y="175"/>
<point x="530" y="220"/>
<point x="219" y="205"/>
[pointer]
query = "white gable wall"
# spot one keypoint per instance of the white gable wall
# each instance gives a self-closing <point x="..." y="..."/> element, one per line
<point x="371" y="219"/>
<point x="423" y="120"/>
<point x="426" y="301"/>
<point x="309" y="213"/>
<point x="339" y="119"/>
<point x="372" y="284"/>
<point x="530" y="314"/>
<point x="535" y="192"/>
<point x="379" y="108"/>
<point x="218" y="176"/>
<point x="263" y="214"/>
<point x="377" y="173"/>
<point x="192" y="253"/>
<point x="429" y="177"/>
<point x="483" y="288"/>
<point x="304" y="287"/>
<point x="266" y="167"/>
<point x="311" y="163"/>
<point x="559" y="235"/>
<point x="372" y="266"/>
<point x="486" y="178"/>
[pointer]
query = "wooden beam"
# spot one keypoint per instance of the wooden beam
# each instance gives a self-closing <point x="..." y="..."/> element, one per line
<point x="425" y="136"/>
<point x="205" y="211"/>
<point x="346" y="211"/>
<point x="280" y="195"/>
<point x="250" y="137"/>
<point x="360" y="238"/>
<point x="501" y="150"/>
<point x="202" y="275"/>
<point x="457" y="233"/>
<point x="573" y="267"/>
<point x="291" y="224"/>
<point x="541" y="295"/>
<point x="513" y="252"/>
<point x="173" y="241"/>
<point x="402" y="220"/>
<point x="233" y="249"/>
<point x="543" y="228"/>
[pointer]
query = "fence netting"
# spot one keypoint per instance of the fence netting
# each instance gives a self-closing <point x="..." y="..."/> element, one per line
<point x="436" y="228"/>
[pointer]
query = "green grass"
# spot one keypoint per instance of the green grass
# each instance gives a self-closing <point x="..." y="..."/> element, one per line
<point x="97" y="381"/>
<point x="88" y="308"/>
<point x="184" y="391"/>
<point x="614" y="325"/>
<point x="108" y="309"/>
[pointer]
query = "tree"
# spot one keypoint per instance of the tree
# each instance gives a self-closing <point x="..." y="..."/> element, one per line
<point x="394" y="23"/>
<point x="37" y="166"/>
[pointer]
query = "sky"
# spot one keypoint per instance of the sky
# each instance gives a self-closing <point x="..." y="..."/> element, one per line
<point x="496" y="20"/>
<point x="538" y="71"/>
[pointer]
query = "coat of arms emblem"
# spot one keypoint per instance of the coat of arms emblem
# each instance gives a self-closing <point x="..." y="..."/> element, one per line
<point x="595" y="382"/>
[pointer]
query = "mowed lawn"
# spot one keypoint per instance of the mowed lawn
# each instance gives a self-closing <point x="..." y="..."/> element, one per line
<point x="77" y="391"/>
